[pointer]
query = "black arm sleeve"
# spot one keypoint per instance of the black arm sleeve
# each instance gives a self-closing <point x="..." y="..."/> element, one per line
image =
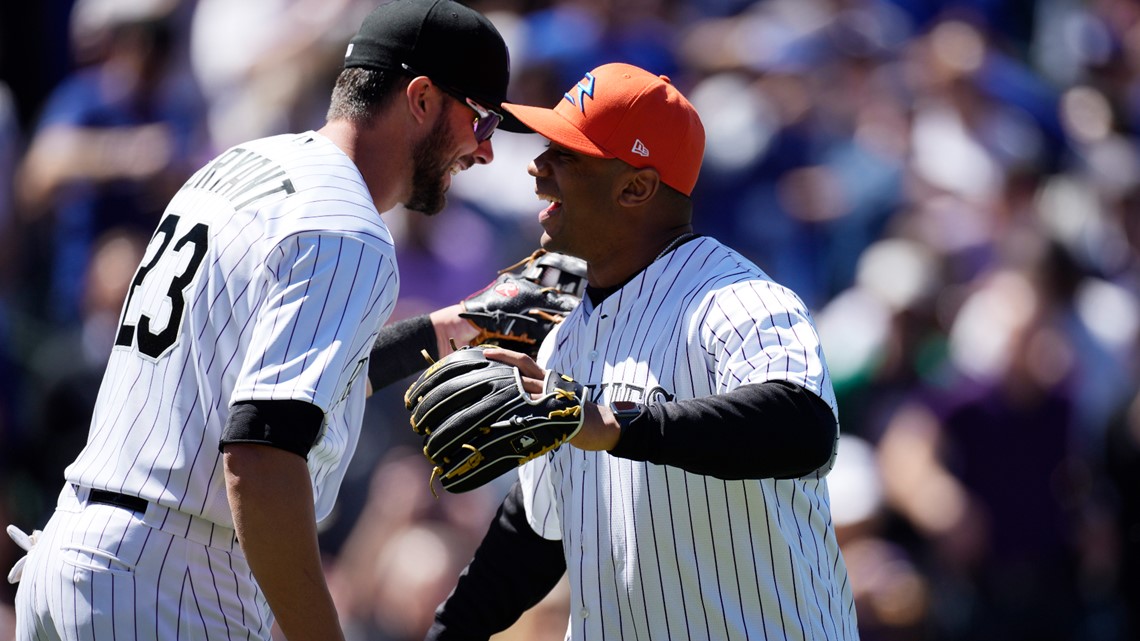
<point x="774" y="429"/>
<point x="396" y="353"/>
<point x="292" y="426"/>
<point x="513" y="569"/>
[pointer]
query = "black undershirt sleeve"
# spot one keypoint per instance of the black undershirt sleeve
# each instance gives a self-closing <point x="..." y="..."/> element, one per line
<point x="774" y="429"/>
<point x="512" y="570"/>
<point x="292" y="426"/>
<point x="396" y="352"/>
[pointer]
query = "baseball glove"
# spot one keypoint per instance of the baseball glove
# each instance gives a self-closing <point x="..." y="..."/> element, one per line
<point x="520" y="307"/>
<point x="479" y="423"/>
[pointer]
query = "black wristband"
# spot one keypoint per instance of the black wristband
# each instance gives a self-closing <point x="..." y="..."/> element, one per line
<point x="397" y="352"/>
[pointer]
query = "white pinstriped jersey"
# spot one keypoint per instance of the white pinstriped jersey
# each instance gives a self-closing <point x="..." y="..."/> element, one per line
<point x="268" y="279"/>
<point x="654" y="552"/>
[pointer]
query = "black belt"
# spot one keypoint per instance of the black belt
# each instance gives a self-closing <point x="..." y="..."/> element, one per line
<point x="132" y="503"/>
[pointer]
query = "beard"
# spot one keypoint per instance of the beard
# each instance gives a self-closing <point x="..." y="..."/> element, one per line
<point x="429" y="169"/>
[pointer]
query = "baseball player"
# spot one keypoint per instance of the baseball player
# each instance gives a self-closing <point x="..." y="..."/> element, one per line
<point x="693" y="503"/>
<point x="233" y="399"/>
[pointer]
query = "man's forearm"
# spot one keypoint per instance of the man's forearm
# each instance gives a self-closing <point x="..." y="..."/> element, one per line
<point x="398" y="351"/>
<point x="449" y="327"/>
<point x="774" y="429"/>
<point x="271" y="498"/>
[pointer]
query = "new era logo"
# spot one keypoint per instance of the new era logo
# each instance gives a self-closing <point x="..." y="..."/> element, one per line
<point x="640" y="149"/>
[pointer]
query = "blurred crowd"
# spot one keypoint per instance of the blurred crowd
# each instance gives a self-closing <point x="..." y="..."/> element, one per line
<point x="953" y="187"/>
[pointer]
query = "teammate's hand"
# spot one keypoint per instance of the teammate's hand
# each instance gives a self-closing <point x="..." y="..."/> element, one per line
<point x="600" y="430"/>
<point x="533" y="376"/>
<point x="525" y="302"/>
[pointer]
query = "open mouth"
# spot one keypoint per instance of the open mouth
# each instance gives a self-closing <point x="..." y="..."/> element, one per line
<point x="555" y="203"/>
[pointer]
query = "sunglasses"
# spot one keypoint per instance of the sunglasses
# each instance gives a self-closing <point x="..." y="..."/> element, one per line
<point x="486" y="120"/>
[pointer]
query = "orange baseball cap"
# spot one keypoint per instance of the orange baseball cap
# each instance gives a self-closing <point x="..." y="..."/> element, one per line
<point x="622" y="111"/>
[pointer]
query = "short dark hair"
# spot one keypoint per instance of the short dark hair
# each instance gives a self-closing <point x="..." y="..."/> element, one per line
<point x="361" y="93"/>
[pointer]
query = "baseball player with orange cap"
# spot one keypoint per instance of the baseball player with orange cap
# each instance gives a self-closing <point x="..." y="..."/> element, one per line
<point x="693" y="502"/>
<point x="233" y="400"/>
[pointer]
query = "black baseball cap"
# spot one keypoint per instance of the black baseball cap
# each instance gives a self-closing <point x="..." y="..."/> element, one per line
<point x="454" y="45"/>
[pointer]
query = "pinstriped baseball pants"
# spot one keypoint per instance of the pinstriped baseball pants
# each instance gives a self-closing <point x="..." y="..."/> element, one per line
<point x="105" y="572"/>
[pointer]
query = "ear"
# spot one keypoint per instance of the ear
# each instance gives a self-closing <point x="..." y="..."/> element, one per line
<point x="640" y="187"/>
<point x="420" y="99"/>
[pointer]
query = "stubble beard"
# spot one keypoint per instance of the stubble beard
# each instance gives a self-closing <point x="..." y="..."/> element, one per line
<point x="429" y="169"/>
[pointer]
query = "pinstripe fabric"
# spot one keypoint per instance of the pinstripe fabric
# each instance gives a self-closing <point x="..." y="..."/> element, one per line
<point x="267" y="279"/>
<point x="654" y="552"/>
<point x="101" y="572"/>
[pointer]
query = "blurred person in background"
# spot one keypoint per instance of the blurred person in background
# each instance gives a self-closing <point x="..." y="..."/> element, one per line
<point x="892" y="595"/>
<point x="981" y="469"/>
<point x="264" y="66"/>
<point x="114" y="141"/>
<point x="65" y="370"/>
<point x="404" y="550"/>
<point x="808" y="124"/>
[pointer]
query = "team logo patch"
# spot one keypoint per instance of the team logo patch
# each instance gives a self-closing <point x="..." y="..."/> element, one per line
<point x="583" y="90"/>
<point x="507" y="290"/>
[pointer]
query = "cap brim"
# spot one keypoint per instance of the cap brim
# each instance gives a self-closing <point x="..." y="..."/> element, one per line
<point x="511" y="123"/>
<point x="553" y="126"/>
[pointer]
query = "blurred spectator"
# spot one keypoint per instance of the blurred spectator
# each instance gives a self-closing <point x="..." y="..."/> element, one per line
<point x="885" y="342"/>
<point x="979" y="470"/>
<point x="405" y="549"/>
<point x="65" y="370"/>
<point x="265" y="66"/>
<point x="808" y="126"/>
<point x="446" y="258"/>
<point x="892" y="597"/>
<point x="114" y="141"/>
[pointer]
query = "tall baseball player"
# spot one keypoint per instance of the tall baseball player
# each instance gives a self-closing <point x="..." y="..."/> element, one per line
<point x="693" y="503"/>
<point x="233" y="399"/>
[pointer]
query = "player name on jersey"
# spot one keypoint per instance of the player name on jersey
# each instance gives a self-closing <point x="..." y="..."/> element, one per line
<point x="241" y="176"/>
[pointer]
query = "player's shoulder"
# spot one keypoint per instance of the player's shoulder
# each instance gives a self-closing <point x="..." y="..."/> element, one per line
<point x="707" y="263"/>
<point x="328" y="194"/>
<point x="312" y="161"/>
<point x="719" y="272"/>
